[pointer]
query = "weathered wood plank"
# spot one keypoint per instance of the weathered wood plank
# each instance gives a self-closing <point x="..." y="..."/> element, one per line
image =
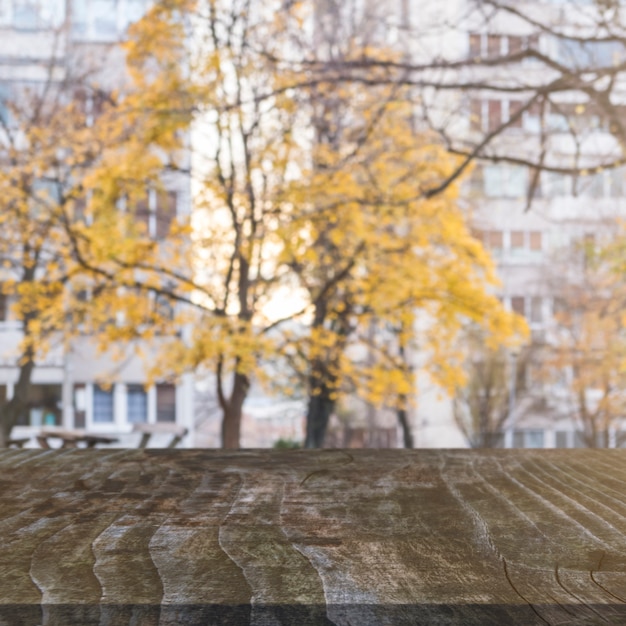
<point x="312" y="537"/>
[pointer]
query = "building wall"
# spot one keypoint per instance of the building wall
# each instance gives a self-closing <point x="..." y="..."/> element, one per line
<point x="78" y="35"/>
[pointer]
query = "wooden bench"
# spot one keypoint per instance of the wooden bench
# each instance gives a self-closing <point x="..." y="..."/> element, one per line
<point x="160" y="428"/>
<point x="71" y="438"/>
<point x="17" y="442"/>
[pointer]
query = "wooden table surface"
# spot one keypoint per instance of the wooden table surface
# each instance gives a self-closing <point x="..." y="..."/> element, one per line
<point x="108" y="537"/>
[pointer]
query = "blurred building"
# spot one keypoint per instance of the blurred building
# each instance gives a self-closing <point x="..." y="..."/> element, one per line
<point x="533" y="223"/>
<point x="44" y="41"/>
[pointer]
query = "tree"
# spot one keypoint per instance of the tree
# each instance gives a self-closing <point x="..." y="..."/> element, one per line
<point x="557" y="71"/>
<point x="71" y="260"/>
<point x="496" y="391"/>
<point x="585" y="358"/>
<point x="393" y="255"/>
<point x="280" y="203"/>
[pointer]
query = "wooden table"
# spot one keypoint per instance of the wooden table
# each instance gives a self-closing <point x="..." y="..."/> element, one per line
<point x="176" y="431"/>
<point x="112" y="537"/>
<point x="71" y="438"/>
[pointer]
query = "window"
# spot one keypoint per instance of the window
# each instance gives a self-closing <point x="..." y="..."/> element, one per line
<point x="583" y="54"/>
<point x="588" y="247"/>
<point x="617" y="186"/>
<point x="4" y="306"/>
<point x="164" y="306"/>
<point x="518" y="305"/>
<point x="591" y="186"/>
<point x="515" y="44"/>
<point x="555" y="185"/>
<point x="156" y="212"/>
<point x="104" y="17"/>
<point x="495" y="239"/>
<point x="90" y="102"/>
<point x="494" y="114"/>
<point x="522" y="242"/>
<point x="105" y="20"/>
<point x="561" y="439"/>
<point x="535" y="240"/>
<point x="102" y="405"/>
<point x="137" y="404"/>
<point x="490" y="46"/>
<point x="80" y="405"/>
<point x="528" y="439"/>
<point x="514" y="108"/>
<point x="132" y="11"/>
<point x="166" y="202"/>
<point x="533" y="439"/>
<point x="37" y="14"/>
<point x="166" y="403"/>
<point x="476" y="114"/>
<point x="475" y="46"/>
<point x="142" y="214"/>
<point x="505" y="181"/>
<point x="517" y="239"/>
<point x="5" y="98"/>
<point x="494" y="45"/>
<point x="43" y="406"/>
<point x="536" y="310"/>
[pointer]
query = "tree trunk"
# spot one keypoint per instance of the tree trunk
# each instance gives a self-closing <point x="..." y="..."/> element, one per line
<point x="10" y="411"/>
<point x="232" y="412"/>
<point x="407" y="435"/>
<point x="318" y="413"/>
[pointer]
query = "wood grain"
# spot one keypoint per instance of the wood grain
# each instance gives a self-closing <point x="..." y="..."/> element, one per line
<point x="108" y="537"/>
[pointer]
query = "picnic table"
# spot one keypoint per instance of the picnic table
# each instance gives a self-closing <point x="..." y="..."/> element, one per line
<point x="147" y="431"/>
<point x="307" y="537"/>
<point x="71" y="438"/>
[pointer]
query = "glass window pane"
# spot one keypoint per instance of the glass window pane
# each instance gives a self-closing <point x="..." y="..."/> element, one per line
<point x="517" y="239"/>
<point x="476" y="114"/>
<point x="102" y="404"/>
<point x="26" y="14"/>
<point x="535" y="240"/>
<point x="496" y="239"/>
<point x="514" y="107"/>
<point x="43" y="406"/>
<point x="515" y="45"/>
<point x="134" y="11"/>
<point x="165" y="212"/>
<point x="516" y="182"/>
<point x="492" y="176"/>
<point x="142" y="215"/>
<point x="493" y="45"/>
<point x="517" y="305"/>
<point x="561" y="439"/>
<point x="80" y="17"/>
<point x="137" y="404"/>
<point x="534" y="439"/>
<point x="536" y="310"/>
<point x="80" y="405"/>
<point x="617" y="182"/>
<point x="105" y="17"/>
<point x="474" y="45"/>
<point x="166" y="403"/>
<point x="495" y="114"/>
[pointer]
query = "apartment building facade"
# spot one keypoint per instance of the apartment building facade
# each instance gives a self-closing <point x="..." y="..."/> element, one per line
<point x="538" y="224"/>
<point x="76" y="386"/>
<point x="531" y="221"/>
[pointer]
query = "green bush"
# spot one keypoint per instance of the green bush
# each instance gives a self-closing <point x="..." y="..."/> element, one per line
<point x="287" y="444"/>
